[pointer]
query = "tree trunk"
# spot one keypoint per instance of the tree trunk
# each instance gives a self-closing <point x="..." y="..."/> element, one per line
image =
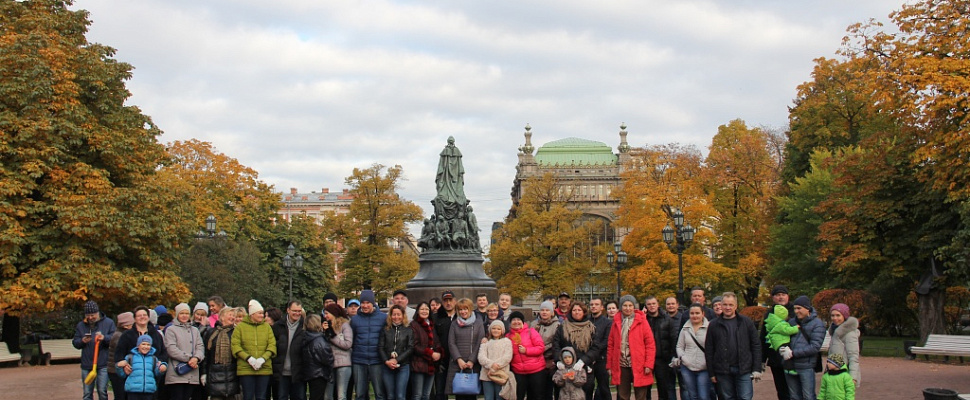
<point x="931" y="318"/>
<point x="11" y="332"/>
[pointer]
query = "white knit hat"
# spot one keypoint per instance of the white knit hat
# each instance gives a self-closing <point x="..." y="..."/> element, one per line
<point x="182" y="307"/>
<point x="254" y="307"/>
<point x="200" y="306"/>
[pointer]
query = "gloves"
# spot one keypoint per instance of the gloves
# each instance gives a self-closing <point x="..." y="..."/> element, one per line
<point x="259" y="363"/>
<point x="202" y="380"/>
<point x="785" y="353"/>
<point x="675" y="362"/>
<point x="560" y="365"/>
<point x="578" y="365"/>
<point x="252" y="363"/>
<point x="756" y="376"/>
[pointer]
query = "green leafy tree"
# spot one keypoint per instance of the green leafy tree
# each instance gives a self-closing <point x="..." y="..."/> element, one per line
<point x="377" y="219"/>
<point x="316" y="277"/>
<point x="230" y="268"/>
<point x="84" y="213"/>
<point x="544" y="246"/>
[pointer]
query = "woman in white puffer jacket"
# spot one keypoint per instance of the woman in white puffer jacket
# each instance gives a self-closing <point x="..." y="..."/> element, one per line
<point x="844" y="331"/>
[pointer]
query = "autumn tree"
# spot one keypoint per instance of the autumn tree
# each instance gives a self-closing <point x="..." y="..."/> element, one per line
<point x="743" y="175"/>
<point x="377" y="219"/>
<point x="545" y="246"/>
<point x="668" y="175"/>
<point x="84" y="212"/>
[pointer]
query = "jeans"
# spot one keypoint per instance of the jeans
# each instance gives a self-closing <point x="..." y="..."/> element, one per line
<point x="396" y="382"/>
<point x="371" y="374"/>
<point x="491" y="390"/>
<point x="287" y="389"/>
<point x="341" y="379"/>
<point x="698" y="384"/>
<point x="735" y="385"/>
<point x="801" y="385"/>
<point x="254" y="386"/>
<point x="421" y="385"/>
<point x="101" y="381"/>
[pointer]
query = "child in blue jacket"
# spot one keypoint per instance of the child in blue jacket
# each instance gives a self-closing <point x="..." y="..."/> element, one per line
<point x="145" y="368"/>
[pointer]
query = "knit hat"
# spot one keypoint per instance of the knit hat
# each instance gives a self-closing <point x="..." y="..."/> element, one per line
<point x="836" y="359"/>
<point x="153" y="317"/>
<point x="91" y="307"/>
<point x="516" y="314"/>
<point x="497" y="322"/>
<point x="329" y="296"/>
<point x="631" y="299"/>
<point x="182" y="307"/>
<point x="254" y="307"/>
<point x="717" y="299"/>
<point x="842" y="308"/>
<point x="200" y="306"/>
<point x="353" y="302"/>
<point x="547" y="305"/>
<point x="160" y="309"/>
<point x="779" y="289"/>
<point x="781" y="312"/>
<point x="368" y="296"/>
<point x="803" y="302"/>
<point x="126" y="318"/>
<point x="144" y="338"/>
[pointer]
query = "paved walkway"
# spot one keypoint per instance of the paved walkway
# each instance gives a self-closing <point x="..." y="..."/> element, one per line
<point x="883" y="378"/>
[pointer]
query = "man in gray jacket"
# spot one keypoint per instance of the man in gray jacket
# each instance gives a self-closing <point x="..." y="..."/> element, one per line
<point x="804" y="350"/>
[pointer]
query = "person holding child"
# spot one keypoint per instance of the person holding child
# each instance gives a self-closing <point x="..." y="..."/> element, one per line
<point x="569" y="379"/>
<point x="141" y="369"/>
<point x="779" y="332"/>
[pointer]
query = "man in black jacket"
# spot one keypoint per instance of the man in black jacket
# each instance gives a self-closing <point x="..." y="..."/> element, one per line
<point x="603" y="324"/>
<point x="442" y="325"/>
<point x="733" y="352"/>
<point x="779" y="296"/>
<point x="665" y="338"/>
<point x="288" y="363"/>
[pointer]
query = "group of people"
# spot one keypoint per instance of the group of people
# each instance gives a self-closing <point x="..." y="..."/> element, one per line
<point x="467" y="348"/>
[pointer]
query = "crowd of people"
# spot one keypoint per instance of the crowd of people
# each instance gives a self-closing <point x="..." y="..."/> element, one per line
<point x="569" y="350"/>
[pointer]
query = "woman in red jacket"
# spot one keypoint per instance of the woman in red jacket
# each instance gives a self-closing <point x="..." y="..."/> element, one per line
<point x="528" y="363"/>
<point x="631" y="351"/>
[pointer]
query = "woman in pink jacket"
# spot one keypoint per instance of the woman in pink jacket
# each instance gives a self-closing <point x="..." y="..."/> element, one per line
<point x="631" y="351"/>
<point x="528" y="364"/>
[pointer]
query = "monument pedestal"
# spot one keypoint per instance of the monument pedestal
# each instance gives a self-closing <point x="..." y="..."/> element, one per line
<point x="461" y="273"/>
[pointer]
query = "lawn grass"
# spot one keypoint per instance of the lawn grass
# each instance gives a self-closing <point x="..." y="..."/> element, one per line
<point x="883" y="346"/>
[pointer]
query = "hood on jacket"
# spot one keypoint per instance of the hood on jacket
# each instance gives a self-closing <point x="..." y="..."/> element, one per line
<point x="849" y="325"/>
<point x="781" y="312"/>
<point x="568" y="350"/>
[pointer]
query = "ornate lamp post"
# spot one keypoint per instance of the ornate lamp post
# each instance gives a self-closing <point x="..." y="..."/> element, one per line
<point x="210" y="229"/>
<point x="289" y="262"/>
<point x="678" y="238"/>
<point x="620" y="258"/>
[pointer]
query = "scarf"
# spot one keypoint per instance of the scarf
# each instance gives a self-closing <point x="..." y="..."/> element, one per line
<point x="579" y="333"/>
<point x="222" y="353"/>
<point x="625" y="342"/>
<point x="464" y="322"/>
<point x="428" y="330"/>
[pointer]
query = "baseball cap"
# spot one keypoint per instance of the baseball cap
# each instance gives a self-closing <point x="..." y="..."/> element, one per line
<point x="564" y="294"/>
<point x="353" y="301"/>
<point x="447" y="294"/>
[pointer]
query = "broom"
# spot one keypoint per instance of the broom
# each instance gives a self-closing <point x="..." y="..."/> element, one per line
<point x="94" y="369"/>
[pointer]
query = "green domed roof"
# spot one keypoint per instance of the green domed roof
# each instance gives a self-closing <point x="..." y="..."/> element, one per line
<point x="575" y="151"/>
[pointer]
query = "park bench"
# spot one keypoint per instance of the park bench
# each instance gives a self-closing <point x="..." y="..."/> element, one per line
<point x="58" y="349"/>
<point x="7" y="356"/>
<point x="944" y="345"/>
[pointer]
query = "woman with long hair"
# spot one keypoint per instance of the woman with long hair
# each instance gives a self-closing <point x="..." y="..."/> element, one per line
<point x="336" y="327"/>
<point x="577" y="331"/>
<point x="690" y="354"/>
<point x="427" y="353"/>
<point x="464" y="340"/>
<point x="395" y="346"/>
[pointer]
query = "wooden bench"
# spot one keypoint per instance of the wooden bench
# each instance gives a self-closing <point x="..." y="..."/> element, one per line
<point x="7" y="356"/>
<point x="58" y="349"/>
<point x="944" y="345"/>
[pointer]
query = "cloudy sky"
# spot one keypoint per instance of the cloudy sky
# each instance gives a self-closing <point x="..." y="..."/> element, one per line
<point x="304" y="91"/>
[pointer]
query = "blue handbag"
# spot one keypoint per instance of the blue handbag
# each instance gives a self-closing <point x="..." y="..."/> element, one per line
<point x="465" y="383"/>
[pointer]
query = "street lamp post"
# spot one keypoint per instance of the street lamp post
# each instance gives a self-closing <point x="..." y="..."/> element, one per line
<point x="210" y="229"/>
<point x="678" y="238"/>
<point x="289" y="262"/>
<point x="620" y="257"/>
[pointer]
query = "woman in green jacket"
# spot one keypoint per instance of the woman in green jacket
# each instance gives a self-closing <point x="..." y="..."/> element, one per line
<point x="254" y="344"/>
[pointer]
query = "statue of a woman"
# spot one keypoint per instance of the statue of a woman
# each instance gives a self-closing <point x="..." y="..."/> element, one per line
<point x="450" y="181"/>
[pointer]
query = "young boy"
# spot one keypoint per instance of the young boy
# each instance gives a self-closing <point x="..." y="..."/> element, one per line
<point x="145" y="367"/>
<point x="779" y="330"/>
<point x="569" y="379"/>
<point x="837" y="384"/>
